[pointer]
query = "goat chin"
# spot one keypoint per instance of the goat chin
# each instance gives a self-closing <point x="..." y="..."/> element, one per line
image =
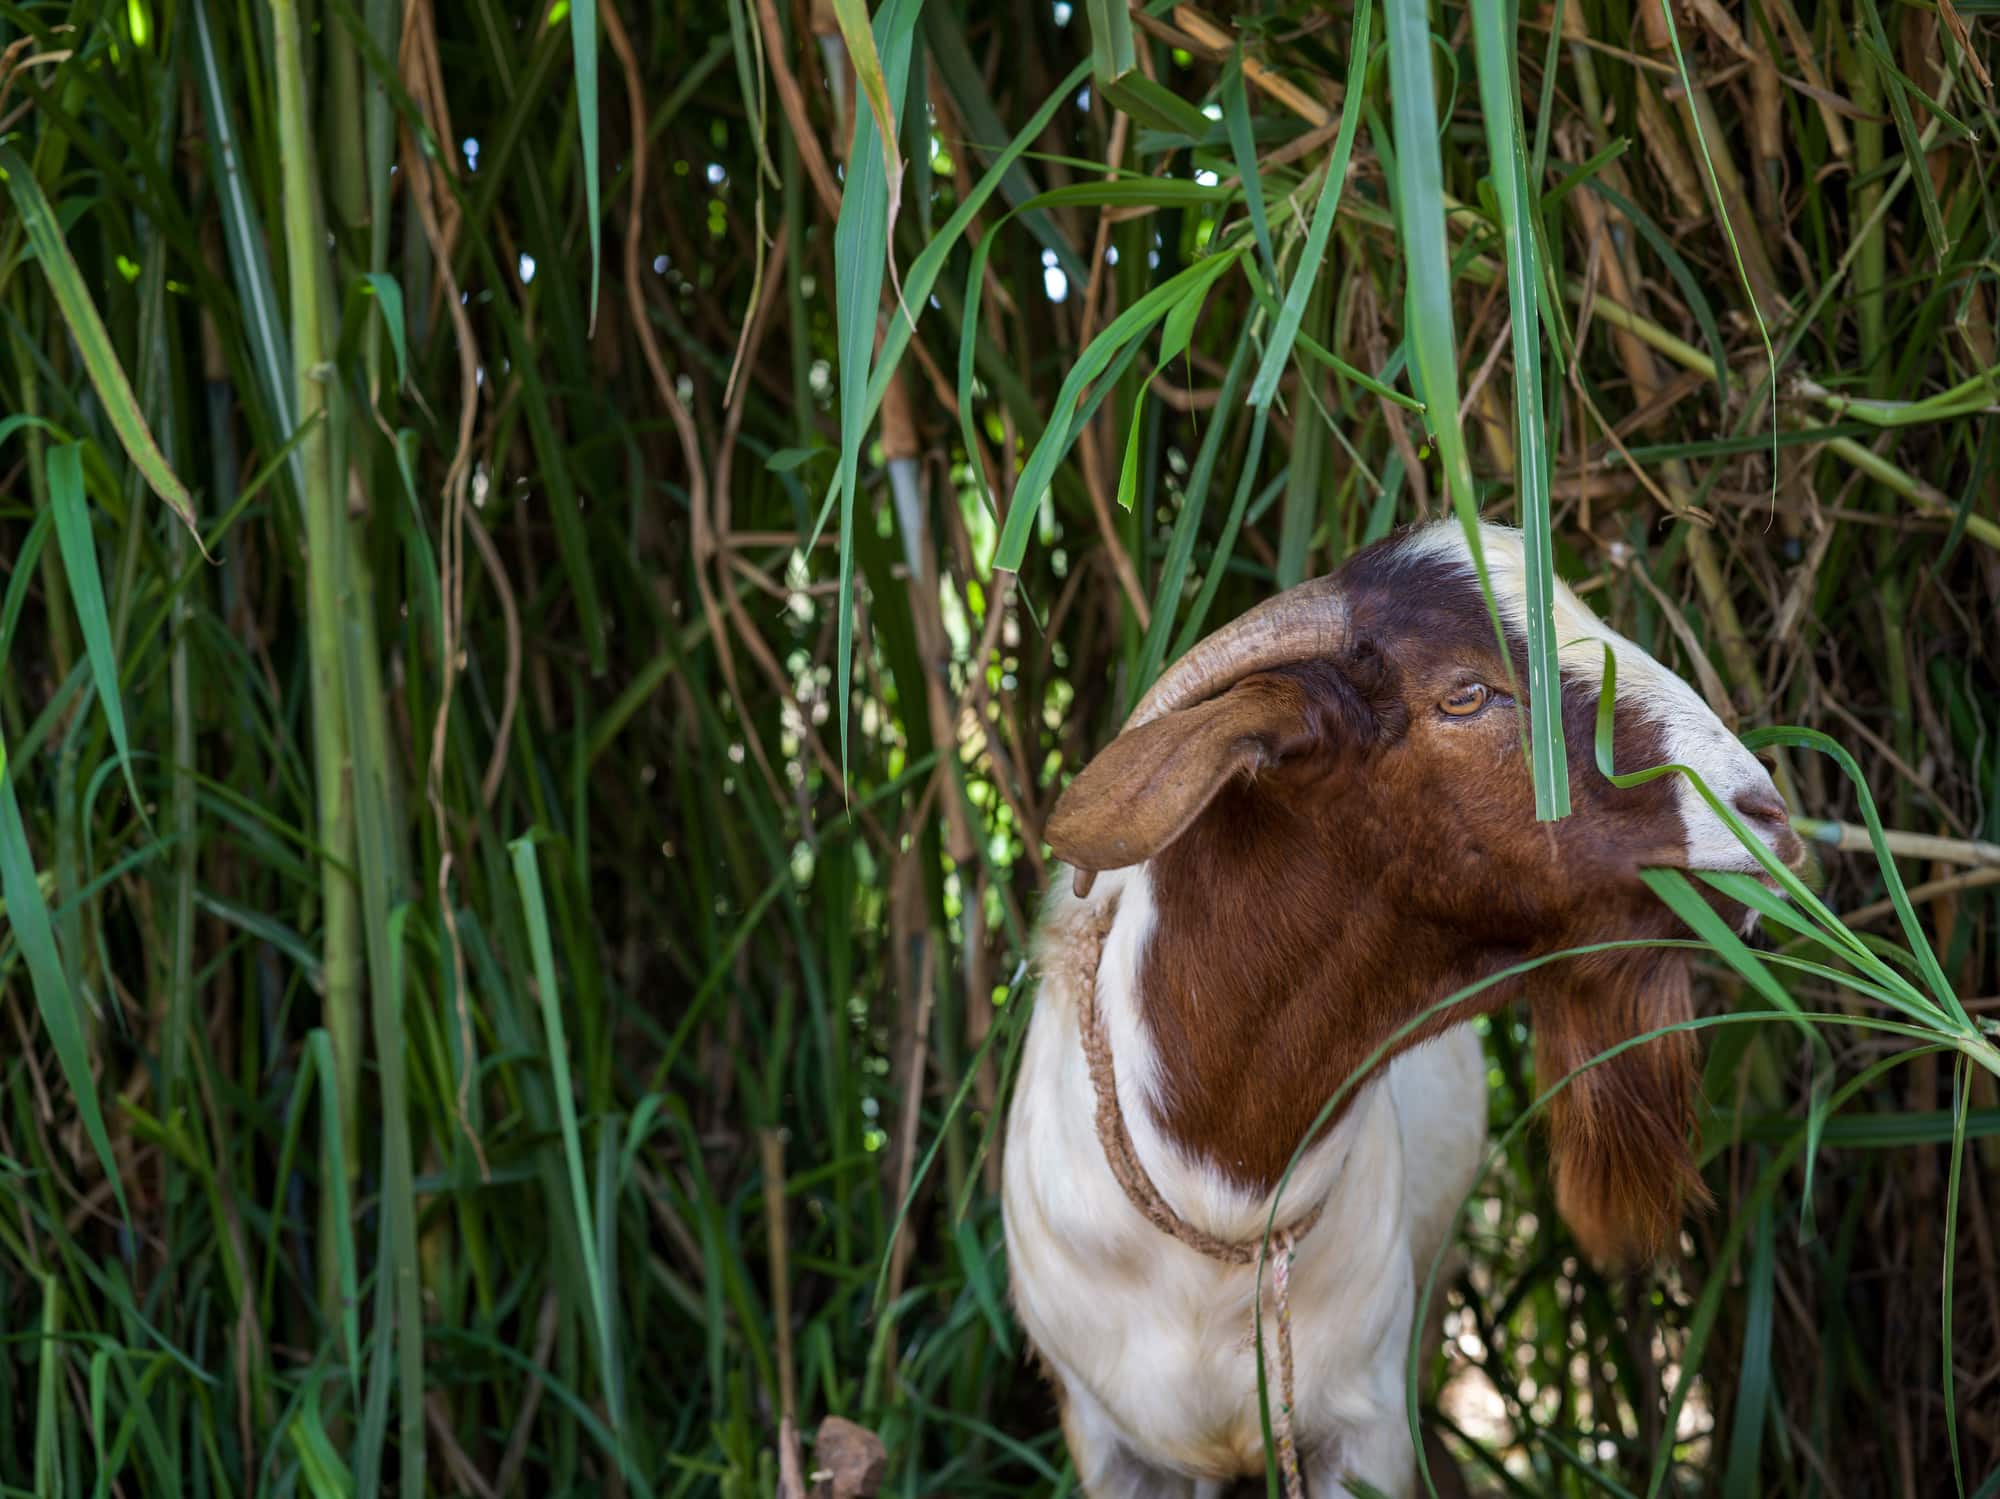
<point x="1149" y="1343"/>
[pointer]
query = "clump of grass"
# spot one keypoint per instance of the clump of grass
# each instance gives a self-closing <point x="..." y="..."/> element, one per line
<point x="547" y="583"/>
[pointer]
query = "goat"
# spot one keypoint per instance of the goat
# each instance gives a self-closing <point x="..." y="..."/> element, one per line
<point x="1316" y="825"/>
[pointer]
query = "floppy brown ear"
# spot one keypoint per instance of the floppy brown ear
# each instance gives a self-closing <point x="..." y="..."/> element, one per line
<point x="1618" y="1134"/>
<point x="1150" y="783"/>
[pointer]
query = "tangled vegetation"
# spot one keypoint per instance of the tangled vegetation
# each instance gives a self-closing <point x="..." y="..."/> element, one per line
<point x="548" y="583"/>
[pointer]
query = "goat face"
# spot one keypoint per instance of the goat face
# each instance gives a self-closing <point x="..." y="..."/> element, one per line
<point x="1331" y="799"/>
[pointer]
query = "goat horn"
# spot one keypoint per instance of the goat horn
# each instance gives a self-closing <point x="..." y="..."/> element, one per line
<point x="1301" y="623"/>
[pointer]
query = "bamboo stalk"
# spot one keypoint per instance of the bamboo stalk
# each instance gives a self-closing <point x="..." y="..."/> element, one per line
<point x="1852" y="837"/>
<point x="320" y="501"/>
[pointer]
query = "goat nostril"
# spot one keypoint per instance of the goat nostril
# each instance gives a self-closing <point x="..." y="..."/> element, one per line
<point x="1762" y="806"/>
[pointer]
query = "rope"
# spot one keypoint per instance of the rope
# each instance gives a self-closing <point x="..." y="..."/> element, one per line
<point x="1140" y="1191"/>
<point x="1284" y="1245"/>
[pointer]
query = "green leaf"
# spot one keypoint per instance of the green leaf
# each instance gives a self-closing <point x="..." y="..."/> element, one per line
<point x="859" y="241"/>
<point x="1286" y="329"/>
<point x="22" y="575"/>
<point x="1128" y="472"/>
<point x="1495" y="38"/>
<point x="527" y="876"/>
<point x="1690" y="289"/>
<point x="583" y="49"/>
<point x="86" y="591"/>
<point x="1128" y="325"/>
<point x="1875" y="43"/>
<point x="61" y="1011"/>
<point x="100" y="360"/>
<point x="1418" y="175"/>
<point x="784" y="460"/>
<point x="870" y="74"/>
<point x="389" y="301"/>
<point x="1243" y="147"/>
<point x="326" y="1475"/>
<point x="1153" y="104"/>
<point x="1177" y="329"/>
<point x="1962" y="1103"/>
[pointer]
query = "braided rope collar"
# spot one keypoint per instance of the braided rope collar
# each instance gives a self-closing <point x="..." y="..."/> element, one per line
<point x="1140" y="1190"/>
<point x="1116" y="1140"/>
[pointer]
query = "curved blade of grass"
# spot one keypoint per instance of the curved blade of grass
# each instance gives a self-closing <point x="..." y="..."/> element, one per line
<point x="320" y="1465"/>
<point x="28" y="915"/>
<point x="1548" y="760"/>
<point x="1286" y="329"/>
<point x="86" y="591"/>
<point x="1128" y="471"/>
<point x="388" y="297"/>
<point x="924" y="271"/>
<point x="1672" y="887"/>
<point x="93" y="342"/>
<point x="23" y="574"/>
<point x="1913" y="933"/>
<point x="1315" y="350"/>
<point x="1180" y="543"/>
<point x="1128" y="325"/>
<point x="963" y="80"/>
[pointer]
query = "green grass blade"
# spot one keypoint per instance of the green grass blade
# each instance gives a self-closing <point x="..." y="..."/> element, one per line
<point x="528" y="878"/>
<point x="61" y="1011"/>
<point x="243" y="236"/>
<point x="1243" y="147"/>
<point x="1753" y="1387"/>
<point x="860" y="251"/>
<point x="1285" y="331"/>
<point x="93" y="342"/>
<point x="1893" y="84"/>
<point x="389" y="302"/>
<point x="583" y="48"/>
<point x="1728" y="229"/>
<point x="1130" y="324"/>
<point x="1429" y="339"/>
<point x="1961" y="1079"/>
<point x="1499" y="103"/>
<point x="86" y="589"/>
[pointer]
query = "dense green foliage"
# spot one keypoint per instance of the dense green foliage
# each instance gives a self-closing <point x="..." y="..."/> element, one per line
<point x="522" y="789"/>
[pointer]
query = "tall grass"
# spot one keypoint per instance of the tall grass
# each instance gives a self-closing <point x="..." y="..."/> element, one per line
<point x="555" y="560"/>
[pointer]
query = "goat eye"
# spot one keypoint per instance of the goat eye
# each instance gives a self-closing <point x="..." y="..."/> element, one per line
<point x="1465" y="701"/>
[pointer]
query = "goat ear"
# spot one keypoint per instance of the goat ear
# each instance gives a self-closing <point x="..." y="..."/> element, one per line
<point x="1150" y="783"/>
<point x="1618" y="1133"/>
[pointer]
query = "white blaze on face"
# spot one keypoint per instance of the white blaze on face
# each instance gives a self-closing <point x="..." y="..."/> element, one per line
<point x="1694" y="736"/>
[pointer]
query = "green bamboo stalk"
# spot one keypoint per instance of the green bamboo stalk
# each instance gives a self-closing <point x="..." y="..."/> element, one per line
<point x="340" y="909"/>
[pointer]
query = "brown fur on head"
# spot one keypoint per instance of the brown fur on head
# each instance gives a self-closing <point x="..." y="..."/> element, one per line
<point x="1332" y="849"/>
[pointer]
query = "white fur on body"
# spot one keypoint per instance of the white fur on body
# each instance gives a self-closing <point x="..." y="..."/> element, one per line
<point x="1152" y="1341"/>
